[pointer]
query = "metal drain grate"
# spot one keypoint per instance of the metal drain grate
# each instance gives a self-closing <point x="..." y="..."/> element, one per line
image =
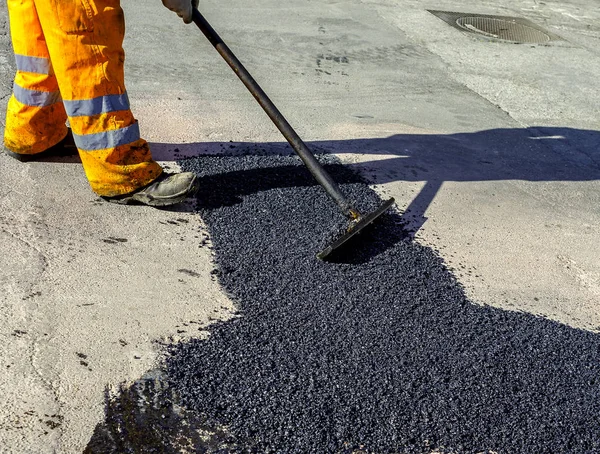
<point x="502" y="29"/>
<point x="497" y="28"/>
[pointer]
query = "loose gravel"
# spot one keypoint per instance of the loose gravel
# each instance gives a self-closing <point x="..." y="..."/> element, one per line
<point x="377" y="351"/>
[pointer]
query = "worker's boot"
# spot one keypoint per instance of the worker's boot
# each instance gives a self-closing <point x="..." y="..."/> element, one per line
<point x="167" y="189"/>
<point x="65" y="147"/>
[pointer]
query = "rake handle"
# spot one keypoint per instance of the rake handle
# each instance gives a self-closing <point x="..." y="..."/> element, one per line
<point x="317" y="170"/>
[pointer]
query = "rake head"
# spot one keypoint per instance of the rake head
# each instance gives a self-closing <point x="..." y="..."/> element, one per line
<point x="355" y="226"/>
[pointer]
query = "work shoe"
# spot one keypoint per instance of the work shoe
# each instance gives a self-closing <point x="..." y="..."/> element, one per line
<point x="167" y="189"/>
<point x="65" y="147"/>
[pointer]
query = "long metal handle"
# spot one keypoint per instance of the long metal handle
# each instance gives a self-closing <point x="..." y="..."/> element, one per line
<point x="288" y="132"/>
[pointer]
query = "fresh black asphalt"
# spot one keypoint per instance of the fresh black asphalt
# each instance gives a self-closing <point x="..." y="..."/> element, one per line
<point x="376" y="351"/>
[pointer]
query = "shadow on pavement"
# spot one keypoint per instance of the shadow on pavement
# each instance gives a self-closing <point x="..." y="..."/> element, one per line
<point x="145" y="418"/>
<point x="529" y="154"/>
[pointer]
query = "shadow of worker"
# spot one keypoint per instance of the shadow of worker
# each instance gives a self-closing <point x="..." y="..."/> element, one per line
<point x="536" y="154"/>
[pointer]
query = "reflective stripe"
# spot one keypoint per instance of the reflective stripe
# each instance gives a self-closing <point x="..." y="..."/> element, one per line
<point x="96" y="106"/>
<point x="108" y="139"/>
<point x="36" y="98"/>
<point x="38" y="65"/>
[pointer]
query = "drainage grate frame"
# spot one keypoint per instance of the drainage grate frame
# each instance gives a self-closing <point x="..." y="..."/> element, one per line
<point x="506" y="29"/>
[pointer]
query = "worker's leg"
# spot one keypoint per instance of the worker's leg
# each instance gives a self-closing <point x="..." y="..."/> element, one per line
<point x="35" y="116"/>
<point x="84" y="39"/>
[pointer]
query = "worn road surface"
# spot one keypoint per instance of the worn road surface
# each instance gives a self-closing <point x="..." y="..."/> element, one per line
<point x="467" y="321"/>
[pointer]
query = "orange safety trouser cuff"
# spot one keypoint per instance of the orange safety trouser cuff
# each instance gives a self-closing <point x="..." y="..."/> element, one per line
<point x="35" y="116"/>
<point x="69" y="59"/>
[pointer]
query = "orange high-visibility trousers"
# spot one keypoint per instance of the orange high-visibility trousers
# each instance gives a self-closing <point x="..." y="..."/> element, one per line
<point x="69" y="56"/>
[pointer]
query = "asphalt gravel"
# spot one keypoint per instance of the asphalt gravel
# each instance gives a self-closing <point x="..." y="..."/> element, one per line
<point x="378" y="350"/>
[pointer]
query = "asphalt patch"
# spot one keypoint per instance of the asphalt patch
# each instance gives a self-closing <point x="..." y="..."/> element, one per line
<point x="376" y="351"/>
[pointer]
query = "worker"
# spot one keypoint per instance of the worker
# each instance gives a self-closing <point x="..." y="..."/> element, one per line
<point x="69" y="57"/>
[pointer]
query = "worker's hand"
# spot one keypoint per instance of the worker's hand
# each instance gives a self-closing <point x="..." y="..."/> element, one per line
<point x="183" y="8"/>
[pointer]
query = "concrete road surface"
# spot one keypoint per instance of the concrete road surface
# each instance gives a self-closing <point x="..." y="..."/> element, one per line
<point x="491" y="149"/>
